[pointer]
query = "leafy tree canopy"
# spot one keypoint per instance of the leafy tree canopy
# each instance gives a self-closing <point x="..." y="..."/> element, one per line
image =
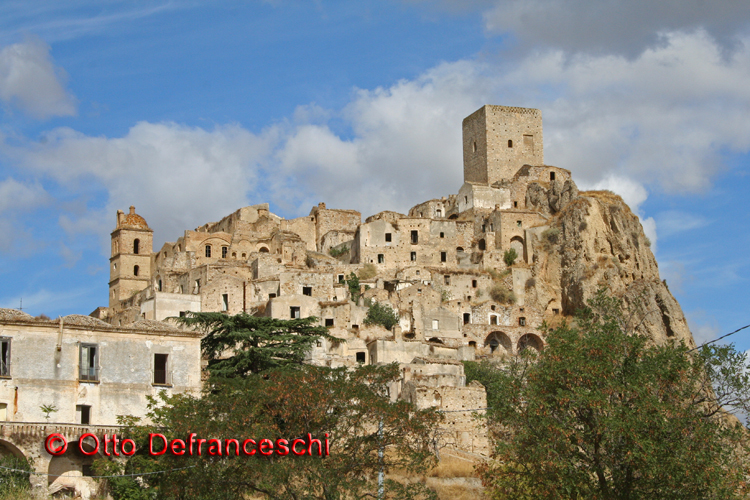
<point x="239" y="345"/>
<point x="603" y="413"/>
<point x="381" y="314"/>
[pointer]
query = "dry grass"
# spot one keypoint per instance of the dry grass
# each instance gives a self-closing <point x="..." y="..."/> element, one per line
<point x="502" y="295"/>
<point x="451" y="466"/>
<point x="456" y="492"/>
<point x="367" y="272"/>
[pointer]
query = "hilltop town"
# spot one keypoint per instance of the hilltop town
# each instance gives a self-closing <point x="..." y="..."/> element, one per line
<point x="471" y="275"/>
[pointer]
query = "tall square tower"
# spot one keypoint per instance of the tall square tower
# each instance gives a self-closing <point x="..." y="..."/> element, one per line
<point x="499" y="140"/>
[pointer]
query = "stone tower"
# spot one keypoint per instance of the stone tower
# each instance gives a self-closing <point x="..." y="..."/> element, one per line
<point x="498" y="140"/>
<point x="130" y="263"/>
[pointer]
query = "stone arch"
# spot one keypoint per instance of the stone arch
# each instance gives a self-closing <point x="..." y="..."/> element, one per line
<point x="453" y="217"/>
<point x="7" y="448"/>
<point x="519" y="246"/>
<point x="263" y="249"/>
<point x="499" y="343"/>
<point x="530" y="340"/>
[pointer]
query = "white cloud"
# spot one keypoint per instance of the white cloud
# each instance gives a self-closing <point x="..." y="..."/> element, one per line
<point x="672" y="222"/>
<point x="703" y="327"/>
<point x="177" y="177"/>
<point x="30" y="81"/>
<point x="16" y="196"/>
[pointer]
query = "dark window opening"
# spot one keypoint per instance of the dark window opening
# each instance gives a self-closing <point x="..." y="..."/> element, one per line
<point x="160" y="286"/>
<point x="294" y="312"/>
<point x="88" y="362"/>
<point x="271" y="295"/>
<point x="521" y="321"/>
<point x="208" y="250"/>
<point x="307" y="290"/>
<point x="467" y="318"/>
<point x="224" y="301"/>
<point x="87" y="470"/>
<point x="341" y="278"/>
<point x="135" y="270"/>
<point x="472" y="343"/>
<point x="552" y="176"/>
<point x="381" y="258"/>
<point x="183" y="314"/>
<point x="492" y="307"/>
<point x="484" y="228"/>
<point x="136" y="246"/>
<point x="414" y="237"/>
<point x="361" y="357"/>
<point x="482" y="244"/>
<point x="329" y="321"/>
<point x="224" y="252"/>
<point x="161" y="377"/>
<point x="518" y="223"/>
<point x="388" y="237"/>
<point x="555" y="311"/>
<point x="515" y="204"/>
<point x="493" y="319"/>
<point x="413" y="256"/>
<point x="475" y="146"/>
<point x="473" y="283"/>
<point x="447" y="279"/>
<point x="443" y="256"/>
<point x="510" y="143"/>
<point x="355" y="327"/>
<point x="84" y="414"/>
<point x="442" y="235"/>
<point x="5" y="357"/>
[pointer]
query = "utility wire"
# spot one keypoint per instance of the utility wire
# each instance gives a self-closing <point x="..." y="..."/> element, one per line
<point x="722" y="337"/>
<point x="118" y="475"/>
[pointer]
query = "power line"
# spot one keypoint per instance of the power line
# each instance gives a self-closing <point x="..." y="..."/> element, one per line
<point x="722" y="337"/>
<point x="118" y="475"/>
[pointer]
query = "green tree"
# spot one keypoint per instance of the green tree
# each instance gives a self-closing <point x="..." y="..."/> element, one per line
<point x="348" y="405"/>
<point x="603" y="413"/>
<point x="236" y="346"/>
<point x="510" y="256"/>
<point x="381" y="314"/>
<point x="352" y="282"/>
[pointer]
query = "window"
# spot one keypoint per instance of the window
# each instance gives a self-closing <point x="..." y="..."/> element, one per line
<point x="388" y="237"/>
<point x="4" y="356"/>
<point x="83" y="414"/>
<point x="161" y="376"/>
<point x="484" y="228"/>
<point x="552" y="176"/>
<point x="160" y="286"/>
<point x="136" y="245"/>
<point x="447" y="279"/>
<point x="510" y="143"/>
<point x="88" y="362"/>
<point x="521" y="321"/>
<point x="466" y="199"/>
<point x="413" y="256"/>
<point x="294" y="312"/>
<point x="443" y="256"/>
<point x="341" y="278"/>
<point x="473" y="283"/>
<point x="492" y="227"/>
<point x="414" y="237"/>
<point x="482" y="244"/>
<point x="224" y="301"/>
<point x="518" y="223"/>
<point x="492" y="307"/>
<point x="493" y="319"/>
<point x="467" y="318"/>
<point x="135" y="270"/>
<point x="208" y="250"/>
<point x="515" y="204"/>
<point x="271" y="295"/>
<point x="555" y="311"/>
<point x="234" y="255"/>
<point x="361" y="357"/>
<point x="183" y="314"/>
<point x="475" y="146"/>
<point x="197" y="286"/>
<point x="307" y="290"/>
<point x="224" y="252"/>
<point x="435" y="324"/>
<point x="442" y="235"/>
<point x="439" y="212"/>
<point x="329" y="321"/>
<point x="3" y="412"/>
<point x="381" y="258"/>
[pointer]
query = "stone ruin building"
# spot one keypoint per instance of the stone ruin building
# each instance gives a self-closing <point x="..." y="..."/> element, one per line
<point x="441" y="267"/>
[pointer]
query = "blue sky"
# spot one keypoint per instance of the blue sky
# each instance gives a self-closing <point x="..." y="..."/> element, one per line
<point x="189" y="110"/>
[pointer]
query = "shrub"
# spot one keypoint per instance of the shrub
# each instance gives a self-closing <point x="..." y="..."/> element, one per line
<point x="352" y="282"/>
<point x="550" y="236"/>
<point x="368" y="271"/>
<point x="13" y="482"/>
<point x="338" y="252"/>
<point x="502" y="295"/>
<point x="510" y="256"/>
<point x="381" y="314"/>
<point x="530" y="283"/>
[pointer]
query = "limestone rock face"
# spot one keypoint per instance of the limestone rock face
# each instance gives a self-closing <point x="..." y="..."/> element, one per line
<point x="552" y="200"/>
<point x="595" y="241"/>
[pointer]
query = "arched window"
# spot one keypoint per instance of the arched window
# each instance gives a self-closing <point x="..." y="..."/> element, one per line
<point x="136" y="245"/>
<point x="208" y="250"/>
<point x="135" y="270"/>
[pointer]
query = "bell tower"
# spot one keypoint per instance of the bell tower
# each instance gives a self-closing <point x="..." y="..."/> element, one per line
<point x="130" y="263"/>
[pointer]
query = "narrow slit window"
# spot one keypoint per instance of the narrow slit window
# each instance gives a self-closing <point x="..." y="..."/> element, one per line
<point x="224" y="301"/>
<point x="136" y="245"/>
<point x="208" y="250"/>
<point x="136" y="270"/>
<point x="161" y="365"/>
<point x="414" y="237"/>
<point x="443" y="256"/>
<point x="224" y="252"/>
<point x="467" y="318"/>
<point x="381" y="258"/>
